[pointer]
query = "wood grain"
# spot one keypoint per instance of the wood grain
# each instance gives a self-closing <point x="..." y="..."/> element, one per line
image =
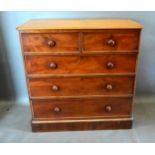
<point x="77" y="86"/>
<point x="81" y="65"/>
<point x="40" y="42"/>
<point x="81" y="108"/>
<point x="123" y="40"/>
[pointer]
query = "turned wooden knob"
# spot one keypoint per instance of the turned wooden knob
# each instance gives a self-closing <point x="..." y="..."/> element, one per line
<point x="53" y="65"/>
<point x="51" y="43"/>
<point x="57" y="109"/>
<point x="55" y="88"/>
<point x="109" y="86"/>
<point x="108" y="108"/>
<point x="110" y="65"/>
<point x="111" y="43"/>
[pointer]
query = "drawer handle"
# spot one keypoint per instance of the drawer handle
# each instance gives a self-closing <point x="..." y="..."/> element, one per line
<point x="57" y="109"/>
<point x="109" y="86"/>
<point x="53" y="65"/>
<point x="55" y="88"/>
<point x="111" y="42"/>
<point x="110" y="65"/>
<point x="108" y="108"/>
<point x="51" y="43"/>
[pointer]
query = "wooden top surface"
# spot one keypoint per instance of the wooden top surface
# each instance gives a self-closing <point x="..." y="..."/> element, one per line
<point x="48" y="24"/>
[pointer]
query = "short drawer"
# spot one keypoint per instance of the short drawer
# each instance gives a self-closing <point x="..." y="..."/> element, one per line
<point x="79" y="108"/>
<point x="79" y="86"/>
<point x="81" y="64"/>
<point x="50" y="42"/>
<point x="111" y="40"/>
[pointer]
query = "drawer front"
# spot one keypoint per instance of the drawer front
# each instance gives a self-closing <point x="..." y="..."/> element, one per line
<point x="76" y="86"/>
<point x="111" y="41"/>
<point x="81" y="65"/>
<point x="73" y="108"/>
<point x="50" y="42"/>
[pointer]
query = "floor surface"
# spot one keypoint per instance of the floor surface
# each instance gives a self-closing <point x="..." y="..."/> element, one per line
<point x="15" y="127"/>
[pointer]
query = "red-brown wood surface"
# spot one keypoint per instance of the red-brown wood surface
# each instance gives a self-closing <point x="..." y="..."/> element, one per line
<point x="122" y="40"/>
<point x="81" y="64"/>
<point x="80" y="79"/>
<point x="94" y="124"/>
<point x="76" y="86"/>
<point x="41" y="42"/>
<point x="81" y="108"/>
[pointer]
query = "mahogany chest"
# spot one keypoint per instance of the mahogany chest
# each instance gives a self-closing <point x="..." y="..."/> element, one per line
<point x="80" y="73"/>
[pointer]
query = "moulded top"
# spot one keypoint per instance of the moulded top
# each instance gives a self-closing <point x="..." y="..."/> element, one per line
<point x="47" y="24"/>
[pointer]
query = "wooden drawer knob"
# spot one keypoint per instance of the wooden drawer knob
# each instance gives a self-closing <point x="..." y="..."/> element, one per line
<point x="110" y="65"/>
<point x="111" y="42"/>
<point x="108" y="108"/>
<point x="57" y="109"/>
<point x="51" y="43"/>
<point x="55" y="88"/>
<point x="109" y="87"/>
<point x="53" y="65"/>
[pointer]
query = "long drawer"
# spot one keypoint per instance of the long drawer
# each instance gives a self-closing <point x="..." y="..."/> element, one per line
<point x="76" y="86"/>
<point x="107" y="63"/>
<point x="81" y="108"/>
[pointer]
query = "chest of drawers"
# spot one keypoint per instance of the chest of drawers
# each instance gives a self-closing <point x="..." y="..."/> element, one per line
<point x="80" y="73"/>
